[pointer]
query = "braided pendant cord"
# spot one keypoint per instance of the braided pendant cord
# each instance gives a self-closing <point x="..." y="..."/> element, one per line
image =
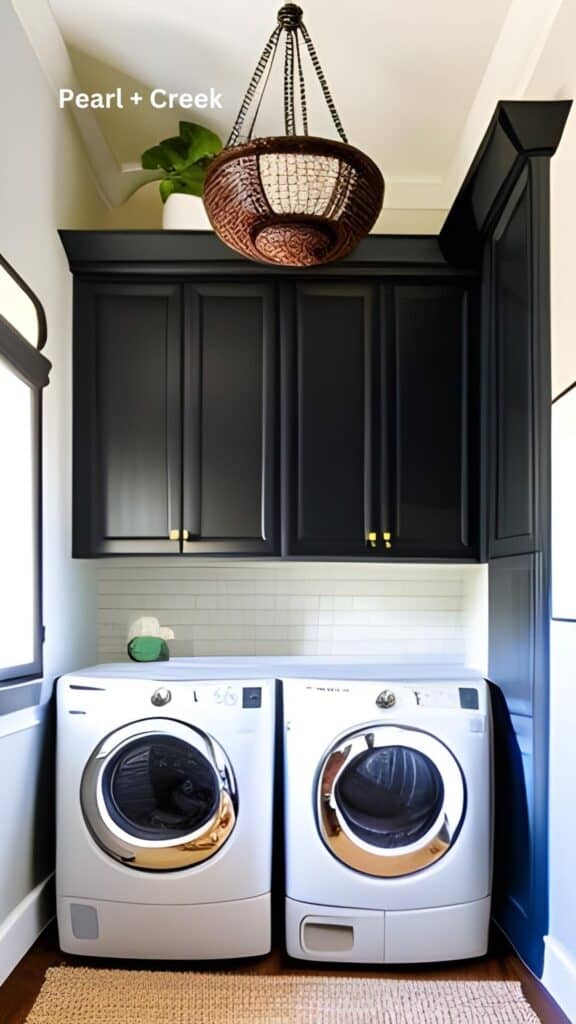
<point x="290" y="22"/>
<point x="323" y="83"/>
<point x="302" y="85"/>
<point x="289" y="122"/>
<point x="267" y="53"/>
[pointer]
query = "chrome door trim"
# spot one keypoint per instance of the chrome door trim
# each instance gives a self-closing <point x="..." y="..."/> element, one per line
<point x="157" y="854"/>
<point x="340" y="839"/>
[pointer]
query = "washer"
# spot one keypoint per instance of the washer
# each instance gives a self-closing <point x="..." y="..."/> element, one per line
<point x="164" y="816"/>
<point x="388" y="820"/>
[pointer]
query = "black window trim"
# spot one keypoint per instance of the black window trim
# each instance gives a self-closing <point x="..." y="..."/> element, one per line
<point x="33" y="368"/>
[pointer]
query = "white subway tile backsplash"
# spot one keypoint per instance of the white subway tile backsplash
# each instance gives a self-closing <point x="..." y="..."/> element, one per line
<point x="281" y="608"/>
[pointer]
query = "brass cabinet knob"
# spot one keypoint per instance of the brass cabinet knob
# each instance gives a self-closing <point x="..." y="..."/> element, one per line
<point x="387" y="538"/>
<point x="185" y="535"/>
<point x="372" y="538"/>
<point x="174" y="535"/>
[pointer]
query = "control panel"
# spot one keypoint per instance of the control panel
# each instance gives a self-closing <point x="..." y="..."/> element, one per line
<point x="439" y="696"/>
<point x="397" y="694"/>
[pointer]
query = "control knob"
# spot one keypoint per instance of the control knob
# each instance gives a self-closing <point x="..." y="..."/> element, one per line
<point x="386" y="699"/>
<point x="161" y="696"/>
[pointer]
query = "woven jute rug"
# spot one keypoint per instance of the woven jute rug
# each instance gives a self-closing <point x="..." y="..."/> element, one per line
<point x="86" y="995"/>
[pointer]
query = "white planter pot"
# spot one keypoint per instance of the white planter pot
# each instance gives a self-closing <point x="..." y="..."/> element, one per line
<point x="184" y="213"/>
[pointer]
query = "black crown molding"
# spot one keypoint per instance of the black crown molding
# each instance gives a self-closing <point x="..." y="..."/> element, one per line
<point x="519" y="131"/>
<point x="178" y="253"/>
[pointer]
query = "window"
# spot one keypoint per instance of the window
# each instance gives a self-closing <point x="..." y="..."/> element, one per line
<point x="23" y="374"/>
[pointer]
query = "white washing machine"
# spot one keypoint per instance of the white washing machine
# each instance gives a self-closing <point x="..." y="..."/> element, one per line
<point x="388" y="813"/>
<point x="164" y="816"/>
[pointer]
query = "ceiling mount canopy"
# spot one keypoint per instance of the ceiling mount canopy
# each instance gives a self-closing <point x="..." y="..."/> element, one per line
<point x="295" y="199"/>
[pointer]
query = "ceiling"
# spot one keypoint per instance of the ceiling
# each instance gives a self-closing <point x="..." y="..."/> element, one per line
<point x="414" y="82"/>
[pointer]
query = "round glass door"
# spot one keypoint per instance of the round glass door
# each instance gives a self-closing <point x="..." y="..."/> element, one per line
<point x="159" y="786"/>
<point x="390" y="800"/>
<point x="159" y="795"/>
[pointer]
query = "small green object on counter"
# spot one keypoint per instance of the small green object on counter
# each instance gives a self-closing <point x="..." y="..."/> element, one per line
<point x="148" y="648"/>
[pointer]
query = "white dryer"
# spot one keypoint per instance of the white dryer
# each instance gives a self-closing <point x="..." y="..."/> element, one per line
<point x="388" y="820"/>
<point x="164" y="816"/>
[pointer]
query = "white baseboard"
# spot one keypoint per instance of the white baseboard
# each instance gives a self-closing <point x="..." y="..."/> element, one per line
<point x="559" y="975"/>
<point x="24" y="924"/>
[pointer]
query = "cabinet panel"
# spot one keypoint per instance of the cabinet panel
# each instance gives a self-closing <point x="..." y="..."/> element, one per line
<point x="519" y="656"/>
<point x="127" y="418"/>
<point x="230" y="420"/>
<point x="512" y="513"/>
<point x="328" y="418"/>
<point x="425" y="416"/>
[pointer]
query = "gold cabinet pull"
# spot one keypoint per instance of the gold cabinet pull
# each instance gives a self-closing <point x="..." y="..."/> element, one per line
<point x="179" y="535"/>
<point x="372" y="538"/>
<point x="387" y="538"/>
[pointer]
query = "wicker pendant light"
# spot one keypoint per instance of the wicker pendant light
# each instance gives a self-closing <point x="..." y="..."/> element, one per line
<point x="295" y="200"/>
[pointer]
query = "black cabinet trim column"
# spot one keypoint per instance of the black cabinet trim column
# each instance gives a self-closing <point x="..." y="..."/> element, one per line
<point x="500" y="221"/>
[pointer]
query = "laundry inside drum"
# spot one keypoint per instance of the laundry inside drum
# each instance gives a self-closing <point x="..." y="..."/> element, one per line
<point x="160" y="787"/>
<point x="390" y="797"/>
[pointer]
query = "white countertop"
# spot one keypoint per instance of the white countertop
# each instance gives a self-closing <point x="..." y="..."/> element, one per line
<point x="282" y="668"/>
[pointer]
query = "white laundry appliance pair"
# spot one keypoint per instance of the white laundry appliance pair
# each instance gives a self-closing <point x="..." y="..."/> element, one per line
<point x="165" y="792"/>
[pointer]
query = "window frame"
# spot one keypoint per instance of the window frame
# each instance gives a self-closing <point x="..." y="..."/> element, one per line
<point x="26" y="362"/>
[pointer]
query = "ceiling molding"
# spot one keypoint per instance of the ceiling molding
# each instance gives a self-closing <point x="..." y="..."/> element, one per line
<point x="115" y="182"/>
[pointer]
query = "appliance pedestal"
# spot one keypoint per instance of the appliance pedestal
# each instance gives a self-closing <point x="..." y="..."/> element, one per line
<point x="203" y="931"/>
<point x="315" y="932"/>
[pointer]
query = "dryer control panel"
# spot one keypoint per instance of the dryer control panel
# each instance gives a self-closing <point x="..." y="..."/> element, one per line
<point x="395" y="695"/>
<point x="447" y="697"/>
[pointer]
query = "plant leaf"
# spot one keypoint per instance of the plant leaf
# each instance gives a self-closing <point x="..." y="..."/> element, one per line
<point x="177" y="152"/>
<point x="167" y="187"/>
<point x="154" y="158"/>
<point x="170" y="155"/>
<point x="200" y="141"/>
<point x="192" y="179"/>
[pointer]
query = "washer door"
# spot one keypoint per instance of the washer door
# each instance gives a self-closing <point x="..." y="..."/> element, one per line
<point x="390" y="800"/>
<point x="159" y="795"/>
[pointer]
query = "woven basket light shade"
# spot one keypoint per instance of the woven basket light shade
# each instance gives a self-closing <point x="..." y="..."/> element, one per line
<point x="294" y="200"/>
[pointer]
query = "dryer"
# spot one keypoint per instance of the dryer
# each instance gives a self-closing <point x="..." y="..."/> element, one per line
<point x="164" y="816"/>
<point x="388" y="820"/>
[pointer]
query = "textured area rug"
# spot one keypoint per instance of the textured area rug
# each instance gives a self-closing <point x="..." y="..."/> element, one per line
<point x="86" y="995"/>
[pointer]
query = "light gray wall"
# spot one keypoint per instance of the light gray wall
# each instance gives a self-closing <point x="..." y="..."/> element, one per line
<point x="44" y="184"/>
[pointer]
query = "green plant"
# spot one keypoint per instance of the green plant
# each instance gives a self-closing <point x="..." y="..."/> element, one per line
<point x="183" y="158"/>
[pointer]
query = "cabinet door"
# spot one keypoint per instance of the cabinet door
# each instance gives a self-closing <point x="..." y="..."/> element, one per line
<point x="229" y="477"/>
<point x="425" y="442"/>
<point x="515" y="410"/>
<point x="127" y="464"/>
<point x="328" y="418"/>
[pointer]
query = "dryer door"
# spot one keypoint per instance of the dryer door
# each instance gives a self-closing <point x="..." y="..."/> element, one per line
<point x="159" y="795"/>
<point x="390" y="800"/>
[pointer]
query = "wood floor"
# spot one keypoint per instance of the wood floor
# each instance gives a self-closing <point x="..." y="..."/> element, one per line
<point x="20" y="990"/>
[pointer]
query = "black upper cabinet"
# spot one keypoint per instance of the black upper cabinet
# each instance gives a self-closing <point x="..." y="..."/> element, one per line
<point x="192" y="437"/>
<point x="229" y="504"/>
<point x="127" y="480"/>
<point x="328" y="379"/>
<point x="513" y="527"/>
<point x="428" y="441"/>
<point x="378" y="421"/>
<point x="175" y="431"/>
